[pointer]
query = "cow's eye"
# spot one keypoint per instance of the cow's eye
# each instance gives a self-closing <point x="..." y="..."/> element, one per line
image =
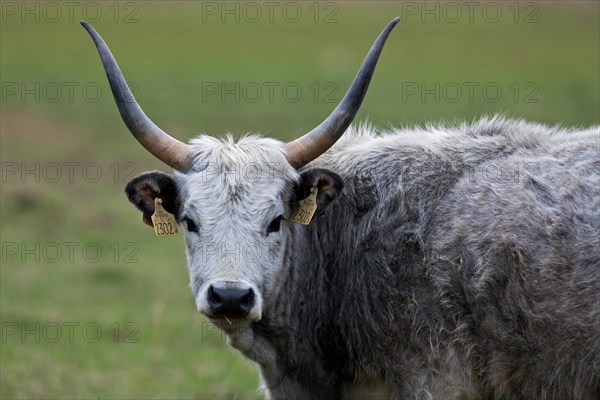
<point x="190" y="225"/>
<point x="275" y="224"/>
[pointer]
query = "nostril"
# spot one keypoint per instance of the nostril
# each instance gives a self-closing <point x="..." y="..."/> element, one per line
<point x="213" y="298"/>
<point x="248" y="299"/>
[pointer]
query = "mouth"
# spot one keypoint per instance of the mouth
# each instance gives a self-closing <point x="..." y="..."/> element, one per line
<point x="228" y="323"/>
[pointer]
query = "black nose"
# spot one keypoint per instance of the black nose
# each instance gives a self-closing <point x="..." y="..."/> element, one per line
<point x="230" y="302"/>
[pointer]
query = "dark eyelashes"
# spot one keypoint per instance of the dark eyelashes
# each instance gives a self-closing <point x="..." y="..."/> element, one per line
<point x="275" y="225"/>
<point x="189" y="224"/>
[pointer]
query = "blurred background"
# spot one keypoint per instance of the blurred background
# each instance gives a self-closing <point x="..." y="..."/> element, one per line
<point x="93" y="304"/>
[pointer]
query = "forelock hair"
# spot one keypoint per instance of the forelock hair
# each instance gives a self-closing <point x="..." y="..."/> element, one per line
<point x="241" y="170"/>
<point x="227" y="151"/>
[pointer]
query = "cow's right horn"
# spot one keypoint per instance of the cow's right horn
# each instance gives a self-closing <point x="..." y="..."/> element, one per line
<point x="172" y="152"/>
<point x="310" y="146"/>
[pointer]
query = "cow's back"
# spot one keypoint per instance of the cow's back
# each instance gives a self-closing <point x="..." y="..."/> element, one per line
<point x="515" y="254"/>
<point x="465" y="260"/>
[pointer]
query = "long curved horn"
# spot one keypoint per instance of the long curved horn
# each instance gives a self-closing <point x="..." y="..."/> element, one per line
<point x="310" y="146"/>
<point x="171" y="151"/>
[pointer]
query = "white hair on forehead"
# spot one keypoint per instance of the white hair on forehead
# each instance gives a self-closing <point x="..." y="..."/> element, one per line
<point x="248" y="149"/>
<point x="237" y="177"/>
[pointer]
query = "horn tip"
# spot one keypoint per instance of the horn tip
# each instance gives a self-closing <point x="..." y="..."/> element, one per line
<point x="393" y="23"/>
<point x="86" y="25"/>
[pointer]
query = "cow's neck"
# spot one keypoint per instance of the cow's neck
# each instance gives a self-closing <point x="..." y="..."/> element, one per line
<point x="332" y="308"/>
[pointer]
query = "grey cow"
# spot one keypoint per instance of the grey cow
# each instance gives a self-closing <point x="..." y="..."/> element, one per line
<point x="442" y="263"/>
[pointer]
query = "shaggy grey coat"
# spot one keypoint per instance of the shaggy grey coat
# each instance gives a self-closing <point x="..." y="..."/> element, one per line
<point x="456" y="263"/>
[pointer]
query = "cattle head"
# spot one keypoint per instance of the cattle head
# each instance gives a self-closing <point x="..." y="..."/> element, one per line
<point x="234" y="200"/>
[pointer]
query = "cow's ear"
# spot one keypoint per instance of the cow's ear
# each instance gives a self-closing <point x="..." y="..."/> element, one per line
<point x="328" y="183"/>
<point x="143" y="189"/>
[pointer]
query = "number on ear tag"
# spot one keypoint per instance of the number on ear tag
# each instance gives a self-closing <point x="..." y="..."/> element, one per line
<point x="307" y="208"/>
<point x="163" y="221"/>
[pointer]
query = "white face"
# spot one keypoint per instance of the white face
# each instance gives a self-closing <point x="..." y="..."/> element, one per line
<point x="236" y="216"/>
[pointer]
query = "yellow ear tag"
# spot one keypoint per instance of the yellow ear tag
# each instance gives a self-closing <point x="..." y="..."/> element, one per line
<point x="307" y="208"/>
<point x="163" y="221"/>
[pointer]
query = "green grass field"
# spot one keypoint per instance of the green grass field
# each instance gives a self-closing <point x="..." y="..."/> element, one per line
<point x="77" y="261"/>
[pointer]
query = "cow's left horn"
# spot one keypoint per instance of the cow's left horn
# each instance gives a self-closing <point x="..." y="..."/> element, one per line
<point x="310" y="146"/>
<point x="171" y="151"/>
